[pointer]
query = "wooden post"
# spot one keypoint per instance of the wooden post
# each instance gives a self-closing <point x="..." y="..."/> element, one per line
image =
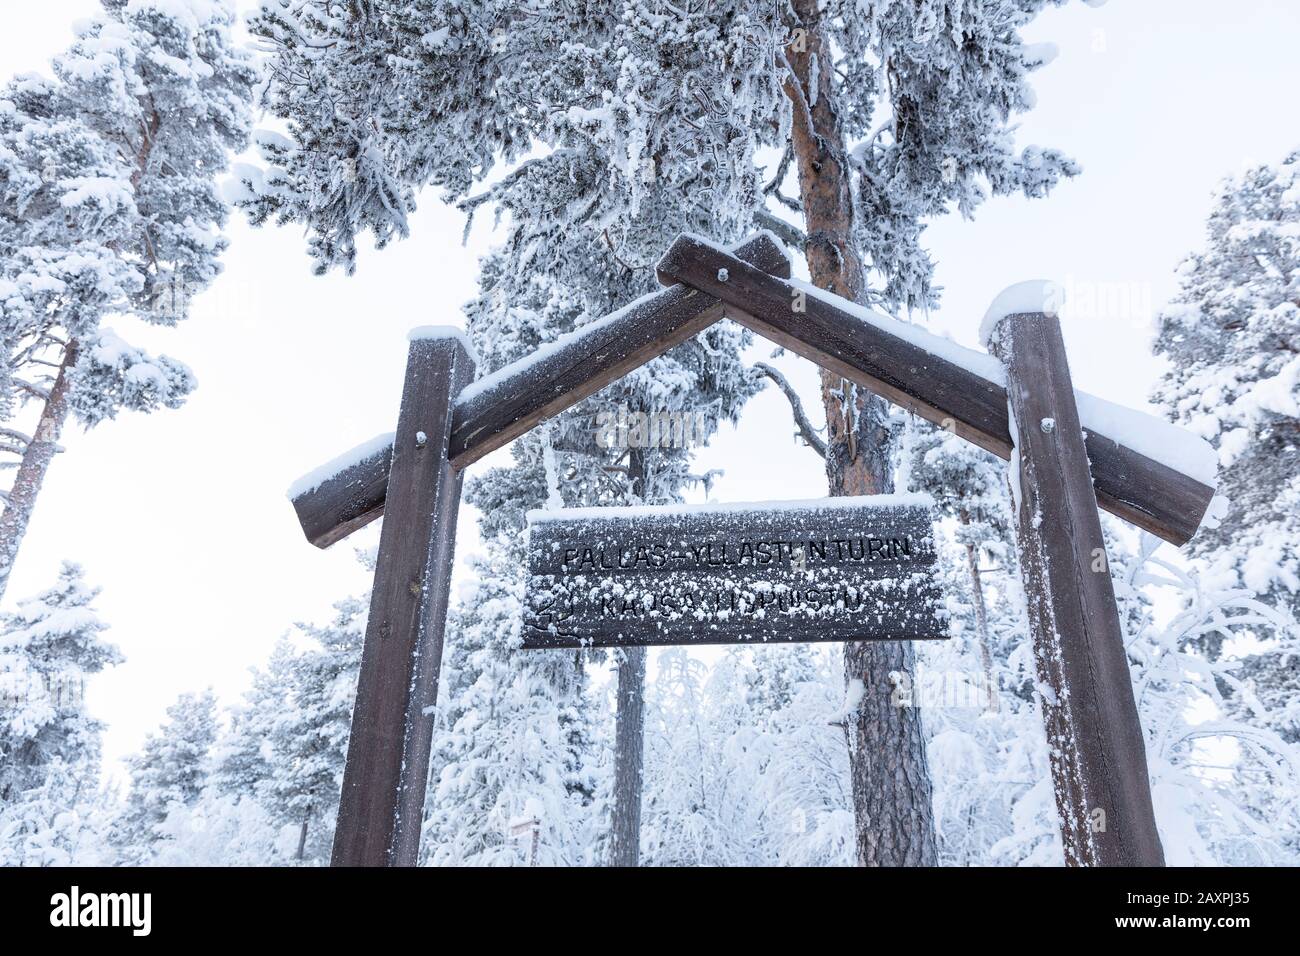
<point x="382" y="803"/>
<point x="1097" y="750"/>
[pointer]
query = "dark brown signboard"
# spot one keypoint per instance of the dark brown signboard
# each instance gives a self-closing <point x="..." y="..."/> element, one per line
<point x="843" y="569"/>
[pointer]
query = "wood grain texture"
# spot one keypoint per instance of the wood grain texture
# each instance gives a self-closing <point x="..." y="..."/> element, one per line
<point x="346" y="502"/>
<point x="531" y="390"/>
<point x="382" y="801"/>
<point x="1138" y="489"/>
<point x="1097" y="750"/>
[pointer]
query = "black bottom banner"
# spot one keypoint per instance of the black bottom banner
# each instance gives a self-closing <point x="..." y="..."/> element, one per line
<point x="301" y="906"/>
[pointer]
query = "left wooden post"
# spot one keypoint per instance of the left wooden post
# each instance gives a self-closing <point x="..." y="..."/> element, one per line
<point x="382" y="803"/>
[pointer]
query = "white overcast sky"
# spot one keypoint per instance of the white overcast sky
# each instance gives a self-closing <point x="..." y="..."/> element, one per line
<point x="181" y="516"/>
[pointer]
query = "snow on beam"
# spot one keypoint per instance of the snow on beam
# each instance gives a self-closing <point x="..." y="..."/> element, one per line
<point x="339" y="498"/>
<point x="1144" y="470"/>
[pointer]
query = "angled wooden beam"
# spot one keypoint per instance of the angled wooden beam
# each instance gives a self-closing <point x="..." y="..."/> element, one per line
<point x="906" y="365"/>
<point x="499" y="408"/>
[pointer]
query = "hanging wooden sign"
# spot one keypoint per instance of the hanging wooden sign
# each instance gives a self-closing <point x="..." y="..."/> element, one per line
<point x="842" y="569"/>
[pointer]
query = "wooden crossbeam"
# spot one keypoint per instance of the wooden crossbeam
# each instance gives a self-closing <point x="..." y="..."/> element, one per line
<point x="1139" y="489"/>
<point x="757" y="293"/>
<point x="505" y="405"/>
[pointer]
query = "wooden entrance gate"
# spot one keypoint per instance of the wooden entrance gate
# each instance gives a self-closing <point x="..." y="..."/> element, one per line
<point x="1018" y="403"/>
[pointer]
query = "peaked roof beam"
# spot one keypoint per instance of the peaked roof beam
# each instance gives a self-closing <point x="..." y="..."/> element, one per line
<point x="500" y="407"/>
<point x="751" y="284"/>
<point x="958" y="393"/>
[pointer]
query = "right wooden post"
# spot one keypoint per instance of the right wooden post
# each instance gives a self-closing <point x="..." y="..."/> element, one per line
<point x="1095" y="741"/>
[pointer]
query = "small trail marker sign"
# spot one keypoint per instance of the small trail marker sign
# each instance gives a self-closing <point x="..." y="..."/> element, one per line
<point x="845" y="569"/>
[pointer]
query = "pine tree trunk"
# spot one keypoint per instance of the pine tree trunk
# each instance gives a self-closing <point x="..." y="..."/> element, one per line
<point x="982" y="626"/>
<point x="890" y="780"/>
<point x="302" y="836"/>
<point x="981" y="619"/>
<point x="31" y="470"/>
<point x="629" y="729"/>
<point x="629" y="749"/>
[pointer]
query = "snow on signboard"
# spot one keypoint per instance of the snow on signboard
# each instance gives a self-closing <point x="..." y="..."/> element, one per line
<point x="833" y="570"/>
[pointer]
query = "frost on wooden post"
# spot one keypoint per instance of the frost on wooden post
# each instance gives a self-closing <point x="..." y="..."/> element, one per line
<point x="1066" y="762"/>
<point x="427" y="332"/>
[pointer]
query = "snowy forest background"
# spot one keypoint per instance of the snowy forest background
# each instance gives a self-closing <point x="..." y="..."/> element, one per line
<point x="585" y="136"/>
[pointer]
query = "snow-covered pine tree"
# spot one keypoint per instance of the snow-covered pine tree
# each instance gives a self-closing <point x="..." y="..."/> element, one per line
<point x="310" y="740"/>
<point x="512" y="745"/>
<point x="108" y="205"/>
<point x="1232" y="340"/>
<point x="170" y="771"/>
<point x="927" y="90"/>
<point x="48" y="649"/>
<point x="631" y="124"/>
<point x="704" y="759"/>
<point x="62" y="822"/>
<point x="1224" y="787"/>
<point x="804" y="781"/>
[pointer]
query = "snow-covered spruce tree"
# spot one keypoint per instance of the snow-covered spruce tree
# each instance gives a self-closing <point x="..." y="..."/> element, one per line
<point x="1232" y="340"/>
<point x="703" y="805"/>
<point x="242" y="756"/>
<point x="512" y="743"/>
<point x="310" y="741"/>
<point x="287" y="739"/>
<point x="170" y="771"/>
<point x="48" y="649"/>
<point x="642" y="123"/>
<point x="1224" y="789"/>
<point x="108" y="206"/>
<point x="62" y="822"/>
<point x="804" y="768"/>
